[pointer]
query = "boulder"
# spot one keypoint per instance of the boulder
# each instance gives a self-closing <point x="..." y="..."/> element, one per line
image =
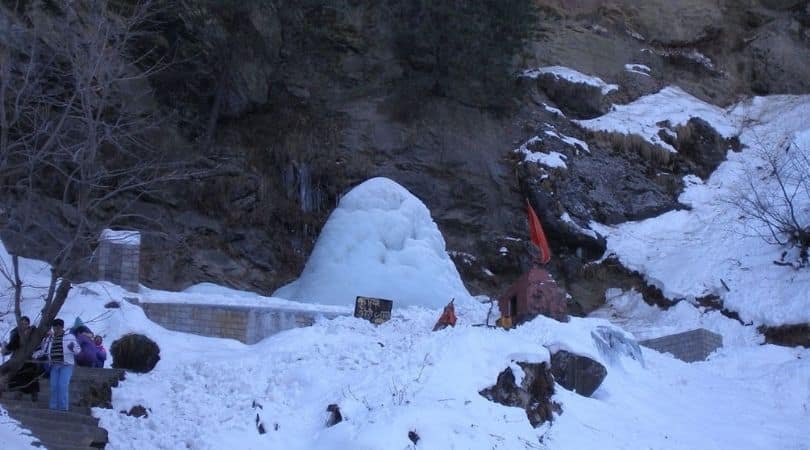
<point x="137" y="411"/>
<point x="335" y="417"/>
<point x="533" y="394"/>
<point x="135" y="352"/>
<point x="577" y="373"/>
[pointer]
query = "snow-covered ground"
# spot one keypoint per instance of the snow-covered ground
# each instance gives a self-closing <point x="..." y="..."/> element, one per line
<point x="207" y="393"/>
<point x="400" y="377"/>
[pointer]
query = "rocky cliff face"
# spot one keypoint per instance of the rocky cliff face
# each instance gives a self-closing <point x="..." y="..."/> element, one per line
<point x="290" y="104"/>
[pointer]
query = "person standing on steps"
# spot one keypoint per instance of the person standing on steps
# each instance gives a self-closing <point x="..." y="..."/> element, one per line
<point x="61" y="349"/>
<point x="26" y="380"/>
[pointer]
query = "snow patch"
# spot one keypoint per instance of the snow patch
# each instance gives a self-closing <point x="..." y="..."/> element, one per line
<point x="123" y="237"/>
<point x="637" y="68"/>
<point x="553" y="110"/>
<point x="572" y="141"/>
<point x="553" y="160"/>
<point x="573" y="76"/>
<point x="567" y="219"/>
<point x="644" y="116"/>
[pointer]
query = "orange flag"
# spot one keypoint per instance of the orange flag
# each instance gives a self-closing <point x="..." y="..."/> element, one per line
<point x="537" y="236"/>
<point x="448" y="317"/>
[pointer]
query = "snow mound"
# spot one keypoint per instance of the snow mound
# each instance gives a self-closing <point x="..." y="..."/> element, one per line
<point x="379" y="242"/>
<point x="643" y="116"/>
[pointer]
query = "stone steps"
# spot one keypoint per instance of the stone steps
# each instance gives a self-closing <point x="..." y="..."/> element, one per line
<point x="63" y="447"/>
<point x="65" y="433"/>
<point x="66" y="430"/>
<point x="76" y="398"/>
<point x="40" y="405"/>
<point x="45" y="414"/>
<point x="87" y="373"/>
<point x="80" y="394"/>
<point x="73" y="422"/>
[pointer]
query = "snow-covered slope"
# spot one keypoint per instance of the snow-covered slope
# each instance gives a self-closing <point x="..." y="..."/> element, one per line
<point x="644" y="116"/>
<point x="400" y="377"/>
<point x="379" y="242"/>
<point x="692" y="253"/>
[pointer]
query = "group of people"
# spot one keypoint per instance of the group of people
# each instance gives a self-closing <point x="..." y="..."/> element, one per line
<point x="55" y="357"/>
<point x="92" y="353"/>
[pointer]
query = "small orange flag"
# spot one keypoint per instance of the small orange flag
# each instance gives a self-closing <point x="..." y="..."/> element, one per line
<point x="537" y="236"/>
<point x="448" y="317"/>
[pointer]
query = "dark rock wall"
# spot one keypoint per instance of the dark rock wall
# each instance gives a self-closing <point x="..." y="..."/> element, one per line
<point x="290" y="104"/>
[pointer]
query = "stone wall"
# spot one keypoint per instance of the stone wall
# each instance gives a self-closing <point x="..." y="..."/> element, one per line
<point x="248" y="324"/>
<point x="119" y="262"/>
<point x="690" y="346"/>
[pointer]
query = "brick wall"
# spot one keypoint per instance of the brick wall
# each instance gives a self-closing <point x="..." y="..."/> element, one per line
<point x="248" y="324"/>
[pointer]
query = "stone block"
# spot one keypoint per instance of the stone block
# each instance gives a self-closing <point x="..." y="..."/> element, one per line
<point x="690" y="346"/>
<point x="118" y="257"/>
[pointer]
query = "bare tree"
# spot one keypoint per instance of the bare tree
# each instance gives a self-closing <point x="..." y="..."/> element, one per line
<point x="777" y="198"/>
<point x="75" y="148"/>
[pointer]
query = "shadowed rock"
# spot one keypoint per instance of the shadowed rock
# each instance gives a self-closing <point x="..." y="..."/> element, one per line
<point x="335" y="417"/>
<point x="135" y="352"/>
<point x="577" y="373"/>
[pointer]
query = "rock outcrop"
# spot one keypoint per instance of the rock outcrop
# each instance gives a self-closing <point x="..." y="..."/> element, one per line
<point x="533" y="394"/>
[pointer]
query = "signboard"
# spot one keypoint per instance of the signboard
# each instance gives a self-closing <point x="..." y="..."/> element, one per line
<point x="375" y="310"/>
